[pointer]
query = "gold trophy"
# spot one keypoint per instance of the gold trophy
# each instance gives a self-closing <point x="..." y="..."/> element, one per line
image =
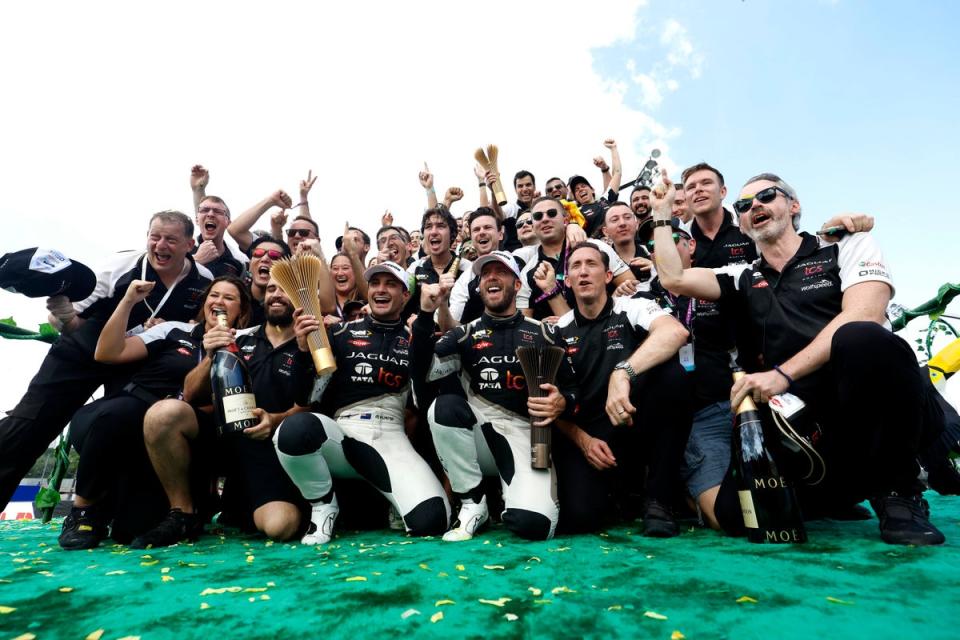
<point x="298" y="277"/>
<point x="488" y="160"/>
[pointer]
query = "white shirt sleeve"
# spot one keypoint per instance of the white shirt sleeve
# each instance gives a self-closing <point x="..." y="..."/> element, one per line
<point x="460" y="294"/>
<point x="861" y="260"/>
<point x="162" y="330"/>
<point x="641" y="312"/>
<point x="617" y="265"/>
<point x="107" y="278"/>
<point x="523" y="296"/>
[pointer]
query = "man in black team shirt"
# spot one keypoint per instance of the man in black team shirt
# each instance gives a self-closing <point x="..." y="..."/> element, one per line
<point x="634" y="402"/>
<point x="544" y="293"/>
<point x="69" y="375"/>
<point x="585" y="196"/>
<point x="488" y="431"/>
<point x="439" y="228"/>
<point x="359" y="431"/>
<point x="719" y="239"/>
<point x="263" y="252"/>
<point x="257" y="493"/>
<point x="211" y="251"/>
<point x="817" y="314"/>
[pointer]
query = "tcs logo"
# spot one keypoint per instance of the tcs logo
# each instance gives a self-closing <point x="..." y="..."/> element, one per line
<point x="392" y="380"/>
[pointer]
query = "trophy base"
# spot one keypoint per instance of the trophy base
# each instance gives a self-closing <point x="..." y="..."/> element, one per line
<point x="540" y="456"/>
<point x="323" y="361"/>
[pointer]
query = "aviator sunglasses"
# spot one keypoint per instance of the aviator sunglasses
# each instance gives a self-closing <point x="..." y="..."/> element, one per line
<point x="303" y="233"/>
<point x="550" y="213"/>
<point x="764" y="196"/>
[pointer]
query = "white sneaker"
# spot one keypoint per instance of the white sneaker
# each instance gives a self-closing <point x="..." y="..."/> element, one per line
<point x="395" y="520"/>
<point x="322" y="517"/>
<point x="472" y="516"/>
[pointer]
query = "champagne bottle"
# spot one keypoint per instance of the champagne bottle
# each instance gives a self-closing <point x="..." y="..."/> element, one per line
<point x="232" y="388"/>
<point x="770" y="509"/>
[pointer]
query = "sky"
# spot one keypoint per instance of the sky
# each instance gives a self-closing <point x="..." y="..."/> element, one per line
<point x="107" y="106"/>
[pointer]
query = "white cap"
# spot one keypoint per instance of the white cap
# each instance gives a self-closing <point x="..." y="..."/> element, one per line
<point x="496" y="256"/>
<point x="391" y="269"/>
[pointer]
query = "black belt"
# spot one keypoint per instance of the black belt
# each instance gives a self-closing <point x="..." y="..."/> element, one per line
<point x="140" y="393"/>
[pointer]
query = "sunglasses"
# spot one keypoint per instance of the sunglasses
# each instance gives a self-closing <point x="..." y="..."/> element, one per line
<point x="219" y="212"/>
<point x="555" y="187"/>
<point x="676" y="239"/>
<point x="273" y="253"/>
<point x="764" y="197"/>
<point x="524" y="223"/>
<point x="550" y="213"/>
<point x="303" y="233"/>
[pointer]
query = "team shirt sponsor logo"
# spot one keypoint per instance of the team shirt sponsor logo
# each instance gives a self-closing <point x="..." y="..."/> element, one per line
<point x="483" y="344"/>
<point x="359" y="343"/>
<point x="361" y="333"/>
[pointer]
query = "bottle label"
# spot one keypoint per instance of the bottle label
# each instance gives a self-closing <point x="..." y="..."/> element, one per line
<point x="786" y="404"/>
<point x="238" y="407"/>
<point x="749" y="513"/>
<point x="784" y="535"/>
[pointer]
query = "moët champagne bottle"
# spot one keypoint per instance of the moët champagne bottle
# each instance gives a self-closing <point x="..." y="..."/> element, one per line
<point x="769" y="504"/>
<point x="232" y="388"/>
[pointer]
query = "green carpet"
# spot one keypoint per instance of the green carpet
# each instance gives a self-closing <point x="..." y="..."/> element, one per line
<point x="845" y="583"/>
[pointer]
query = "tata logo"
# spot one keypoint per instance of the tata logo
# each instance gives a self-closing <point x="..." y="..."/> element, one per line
<point x="489" y="374"/>
<point x="363" y="368"/>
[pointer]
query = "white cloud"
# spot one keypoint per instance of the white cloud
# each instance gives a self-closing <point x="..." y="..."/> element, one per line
<point x="107" y="107"/>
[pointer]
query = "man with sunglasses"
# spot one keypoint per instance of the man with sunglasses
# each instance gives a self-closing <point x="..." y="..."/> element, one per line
<point x="525" y="184"/>
<point x="543" y="293"/>
<point x="263" y="252"/>
<point x="556" y="189"/>
<point x="818" y="329"/>
<point x="525" y="232"/>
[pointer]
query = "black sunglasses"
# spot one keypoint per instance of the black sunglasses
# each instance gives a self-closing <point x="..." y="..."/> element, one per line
<point x="550" y="213"/>
<point x="524" y="223"/>
<point x="764" y="197"/>
<point x="676" y="239"/>
<point x="303" y="233"/>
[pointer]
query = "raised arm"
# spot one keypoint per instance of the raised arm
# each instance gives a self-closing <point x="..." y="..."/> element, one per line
<point x="199" y="178"/>
<point x="694" y="282"/>
<point x="351" y="247"/>
<point x="426" y="181"/>
<point x="616" y="169"/>
<point x="239" y="229"/>
<point x="114" y="346"/>
<point x="305" y="186"/>
<point x="479" y="172"/>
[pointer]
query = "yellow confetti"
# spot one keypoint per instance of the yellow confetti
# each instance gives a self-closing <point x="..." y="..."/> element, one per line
<point x="375" y="573"/>
<point x="654" y="615"/>
<point x="212" y="591"/>
<point x="615" y="607"/>
<point x="5" y="610"/>
<point x="264" y="597"/>
<point x="118" y="572"/>
<point x="543" y="602"/>
<point x="409" y="612"/>
<point x="534" y="591"/>
<point x="204" y="605"/>
<point x="676" y="635"/>
<point x="95" y="635"/>
<point x="424" y="565"/>
<point x="65" y="589"/>
<point x="250" y="558"/>
<point x="271" y="584"/>
<point x="255" y="589"/>
<point x="743" y="599"/>
<point x="130" y="638"/>
<point x="46" y="573"/>
<point x="534" y="559"/>
<point x="357" y="579"/>
<point x="25" y="636"/>
<point x="492" y="567"/>
<point x="557" y="590"/>
<point x="149" y="563"/>
<point x="165" y="570"/>
<point x="499" y="602"/>
<point x="511" y="616"/>
<point x="437" y="617"/>
<point x="837" y="600"/>
<point x="439" y="603"/>
<point x="167" y="578"/>
<point x="460" y="567"/>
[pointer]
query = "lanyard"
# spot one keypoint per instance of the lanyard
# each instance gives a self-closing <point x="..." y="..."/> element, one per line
<point x="143" y="276"/>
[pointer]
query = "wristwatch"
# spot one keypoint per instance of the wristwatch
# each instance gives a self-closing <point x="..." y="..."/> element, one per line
<point x="662" y="223"/>
<point x="623" y="365"/>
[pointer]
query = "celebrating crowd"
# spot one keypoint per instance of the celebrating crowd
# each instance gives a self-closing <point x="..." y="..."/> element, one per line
<point x="652" y="295"/>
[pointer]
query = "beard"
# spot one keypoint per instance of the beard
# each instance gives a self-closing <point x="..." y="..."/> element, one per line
<point x="280" y="317"/>
<point x="508" y="295"/>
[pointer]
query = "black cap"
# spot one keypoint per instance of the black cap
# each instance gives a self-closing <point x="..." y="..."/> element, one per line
<point x="645" y="231"/>
<point x="575" y="180"/>
<point x="41" y="273"/>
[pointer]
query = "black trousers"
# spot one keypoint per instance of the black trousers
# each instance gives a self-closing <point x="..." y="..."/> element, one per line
<point x="66" y="380"/>
<point x="652" y="449"/>
<point x="876" y="412"/>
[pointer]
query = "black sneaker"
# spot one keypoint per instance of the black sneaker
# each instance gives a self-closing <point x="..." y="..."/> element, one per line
<point x="658" y="521"/>
<point x="176" y="527"/>
<point x="82" y="529"/>
<point x="906" y="520"/>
